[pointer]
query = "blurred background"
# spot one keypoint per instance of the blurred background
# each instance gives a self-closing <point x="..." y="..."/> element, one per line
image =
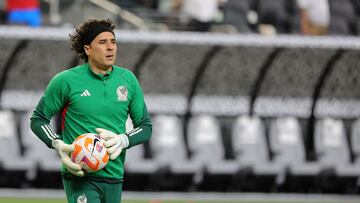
<point x="246" y="96"/>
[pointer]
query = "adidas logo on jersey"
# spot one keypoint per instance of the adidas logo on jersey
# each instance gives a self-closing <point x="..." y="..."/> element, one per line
<point x="86" y="93"/>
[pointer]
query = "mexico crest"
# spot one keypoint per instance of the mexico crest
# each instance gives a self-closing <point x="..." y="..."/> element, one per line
<point x="122" y="93"/>
<point x="82" y="199"/>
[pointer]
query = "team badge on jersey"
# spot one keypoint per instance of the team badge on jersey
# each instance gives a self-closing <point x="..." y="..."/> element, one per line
<point x="81" y="199"/>
<point x="122" y="93"/>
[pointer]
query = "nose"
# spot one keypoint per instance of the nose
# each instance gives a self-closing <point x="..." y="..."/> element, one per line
<point x="110" y="46"/>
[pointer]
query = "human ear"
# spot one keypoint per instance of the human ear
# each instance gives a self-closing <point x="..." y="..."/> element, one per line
<point x="86" y="49"/>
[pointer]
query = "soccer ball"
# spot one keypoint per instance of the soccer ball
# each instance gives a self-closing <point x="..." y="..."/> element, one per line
<point x="90" y="152"/>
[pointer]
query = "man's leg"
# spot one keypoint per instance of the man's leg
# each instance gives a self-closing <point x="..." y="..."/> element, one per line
<point x="81" y="191"/>
<point x="113" y="193"/>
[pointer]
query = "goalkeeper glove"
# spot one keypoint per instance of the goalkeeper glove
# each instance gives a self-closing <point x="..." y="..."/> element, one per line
<point x="64" y="151"/>
<point x="113" y="142"/>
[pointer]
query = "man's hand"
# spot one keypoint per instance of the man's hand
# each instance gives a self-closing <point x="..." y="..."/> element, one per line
<point x="64" y="151"/>
<point x="113" y="142"/>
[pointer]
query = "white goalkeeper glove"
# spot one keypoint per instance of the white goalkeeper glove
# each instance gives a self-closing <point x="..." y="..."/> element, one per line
<point x="64" y="151"/>
<point x="115" y="143"/>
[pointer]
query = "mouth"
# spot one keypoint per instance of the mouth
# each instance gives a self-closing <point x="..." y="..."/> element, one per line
<point x="109" y="56"/>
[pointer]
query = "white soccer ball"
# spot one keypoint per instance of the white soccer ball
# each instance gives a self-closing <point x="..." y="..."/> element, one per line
<point x="90" y="152"/>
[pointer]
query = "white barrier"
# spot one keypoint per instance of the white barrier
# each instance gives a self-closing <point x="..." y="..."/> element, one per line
<point x="58" y="33"/>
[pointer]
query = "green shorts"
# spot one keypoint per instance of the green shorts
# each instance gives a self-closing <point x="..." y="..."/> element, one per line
<point x="81" y="190"/>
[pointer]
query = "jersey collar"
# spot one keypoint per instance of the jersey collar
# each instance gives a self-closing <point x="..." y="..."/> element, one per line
<point x="100" y="76"/>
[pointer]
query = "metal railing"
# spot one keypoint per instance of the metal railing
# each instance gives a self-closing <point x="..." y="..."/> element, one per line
<point x="124" y="14"/>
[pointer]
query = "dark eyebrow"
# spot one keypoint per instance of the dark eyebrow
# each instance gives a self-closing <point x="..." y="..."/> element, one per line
<point x="104" y="40"/>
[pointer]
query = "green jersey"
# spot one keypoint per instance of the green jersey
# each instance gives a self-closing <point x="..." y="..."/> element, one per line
<point x="88" y="101"/>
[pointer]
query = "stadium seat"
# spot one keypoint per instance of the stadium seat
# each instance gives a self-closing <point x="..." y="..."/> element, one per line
<point x="355" y="146"/>
<point x="355" y="141"/>
<point x="46" y="159"/>
<point x="204" y="137"/>
<point x="330" y="142"/>
<point x="257" y="172"/>
<point x="287" y="146"/>
<point x="207" y="149"/>
<point x="333" y="154"/>
<point x="168" y="151"/>
<point x="35" y="148"/>
<point x="168" y="139"/>
<point x="15" y="168"/>
<point x="135" y="157"/>
<point x="137" y="163"/>
<point x="138" y="169"/>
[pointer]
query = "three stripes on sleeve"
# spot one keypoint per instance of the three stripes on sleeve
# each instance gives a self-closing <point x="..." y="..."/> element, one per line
<point x="49" y="132"/>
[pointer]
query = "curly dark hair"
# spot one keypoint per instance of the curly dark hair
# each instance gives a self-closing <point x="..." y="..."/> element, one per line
<point x="76" y="37"/>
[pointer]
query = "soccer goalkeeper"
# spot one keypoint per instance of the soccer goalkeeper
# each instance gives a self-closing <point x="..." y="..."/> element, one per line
<point x="96" y="97"/>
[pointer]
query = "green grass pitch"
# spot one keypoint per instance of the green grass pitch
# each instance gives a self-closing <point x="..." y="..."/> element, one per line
<point x="42" y="200"/>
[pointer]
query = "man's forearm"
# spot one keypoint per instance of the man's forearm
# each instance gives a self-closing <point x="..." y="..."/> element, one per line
<point x="139" y="135"/>
<point x="43" y="130"/>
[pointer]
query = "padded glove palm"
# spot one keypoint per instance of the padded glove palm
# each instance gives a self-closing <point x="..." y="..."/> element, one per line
<point x="64" y="151"/>
<point x="115" y="143"/>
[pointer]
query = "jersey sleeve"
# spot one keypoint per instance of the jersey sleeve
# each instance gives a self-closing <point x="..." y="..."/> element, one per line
<point x="139" y="115"/>
<point x="53" y="100"/>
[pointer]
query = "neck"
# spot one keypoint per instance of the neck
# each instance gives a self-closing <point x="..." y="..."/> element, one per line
<point x="100" y="70"/>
